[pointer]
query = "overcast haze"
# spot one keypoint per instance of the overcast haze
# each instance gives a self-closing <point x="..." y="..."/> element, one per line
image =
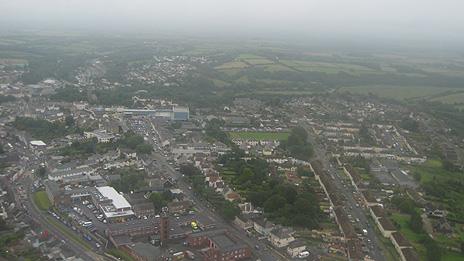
<point x="390" y="19"/>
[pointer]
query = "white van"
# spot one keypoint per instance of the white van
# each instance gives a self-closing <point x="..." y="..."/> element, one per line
<point x="303" y="254"/>
<point x="87" y="224"/>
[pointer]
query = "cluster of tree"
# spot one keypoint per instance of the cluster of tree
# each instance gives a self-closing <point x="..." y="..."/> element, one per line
<point x="228" y="210"/>
<point x="365" y="137"/>
<point x="189" y="170"/>
<point x="2" y="150"/>
<point x="297" y="144"/>
<point x="69" y="94"/>
<point x="304" y="171"/>
<point x="91" y="146"/>
<point x="161" y="200"/>
<point x="80" y="148"/>
<point x="9" y="250"/>
<point x="43" y="129"/>
<point x="136" y="142"/>
<point x="433" y="250"/>
<point x="284" y="204"/>
<point x="406" y="205"/>
<point x="116" y="96"/>
<point x="41" y="172"/>
<point x="6" y="98"/>
<point x="281" y="201"/>
<point x="449" y="191"/>
<point x="131" y="179"/>
<point x="403" y="203"/>
<point x="409" y="124"/>
<point x="360" y="162"/>
<point x="52" y="64"/>
<point x="3" y="225"/>
<point x="176" y="125"/>
<point x="213" y="130"/>
<point x="453" y="117"/>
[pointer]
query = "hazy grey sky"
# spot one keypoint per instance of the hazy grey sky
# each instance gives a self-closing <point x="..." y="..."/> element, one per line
<point x="391" y="18"/>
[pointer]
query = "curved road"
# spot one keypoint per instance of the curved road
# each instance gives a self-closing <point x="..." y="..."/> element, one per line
<point x="41" y="218"/>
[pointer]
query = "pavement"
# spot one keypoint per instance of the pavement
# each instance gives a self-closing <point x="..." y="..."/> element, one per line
<point x="351" y="206"/>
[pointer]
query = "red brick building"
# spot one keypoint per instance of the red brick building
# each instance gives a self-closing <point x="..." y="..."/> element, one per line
<point x="220" y="245"/>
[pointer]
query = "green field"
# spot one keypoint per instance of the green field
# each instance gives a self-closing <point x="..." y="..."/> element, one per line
<point x="220" y="83"/>
<point x="456" y="98"/>
<point x="327" y="67"/>
<point x="249" y="56"/>
<point x="259" y="135"/>
<point x="244" y="79"/>
<point x="434" y="175"/>
<point x="397" y="92"/>
<point x="259" y="61"/>
<point x="434" y="168"/>
<point x="41" y="200"/>
<point x="275" y="68"/>
<point x="413" y="237"/>
<point x="232" y="65"/>
<point x="452" y="256"/>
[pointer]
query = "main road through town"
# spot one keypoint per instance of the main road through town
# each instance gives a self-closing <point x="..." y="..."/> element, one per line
<point x="263" y="252"/>
<point x="348" y="191"/>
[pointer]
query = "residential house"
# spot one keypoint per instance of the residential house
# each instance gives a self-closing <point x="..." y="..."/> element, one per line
<point x="280" y="236"/>
<point x="244" y="222"/>
<point x="179" y="207"/>
<point x="263" y="226"/>
<point x="295" y="247"/>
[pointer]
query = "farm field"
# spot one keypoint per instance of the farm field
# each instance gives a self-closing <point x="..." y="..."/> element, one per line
<point x="259" y="135"/>
<point x="246" y="56"/>
<point x="220" y="83"/>
<point x="258" y="61"/>
<point x="327" y="67"/>
<point x="275" y="68"/>
<point x="397" y="92"/>
<point x="13" y="61"/>
<point x="232" y="65"/>
<point x="456" y="98"/>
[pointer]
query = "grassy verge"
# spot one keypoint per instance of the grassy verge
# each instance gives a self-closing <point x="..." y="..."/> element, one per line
<point x="41" y="200"/>
<point x="68" y="233"/>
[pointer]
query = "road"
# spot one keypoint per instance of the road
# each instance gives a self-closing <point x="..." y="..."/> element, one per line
<point x="41" y="218"/>
<point x="30" y="161"/>
<point x="264" y="253"/>
<point x="351" y="206"/>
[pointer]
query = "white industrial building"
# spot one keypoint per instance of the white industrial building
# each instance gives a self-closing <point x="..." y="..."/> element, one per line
<point x="113" y="205"/>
